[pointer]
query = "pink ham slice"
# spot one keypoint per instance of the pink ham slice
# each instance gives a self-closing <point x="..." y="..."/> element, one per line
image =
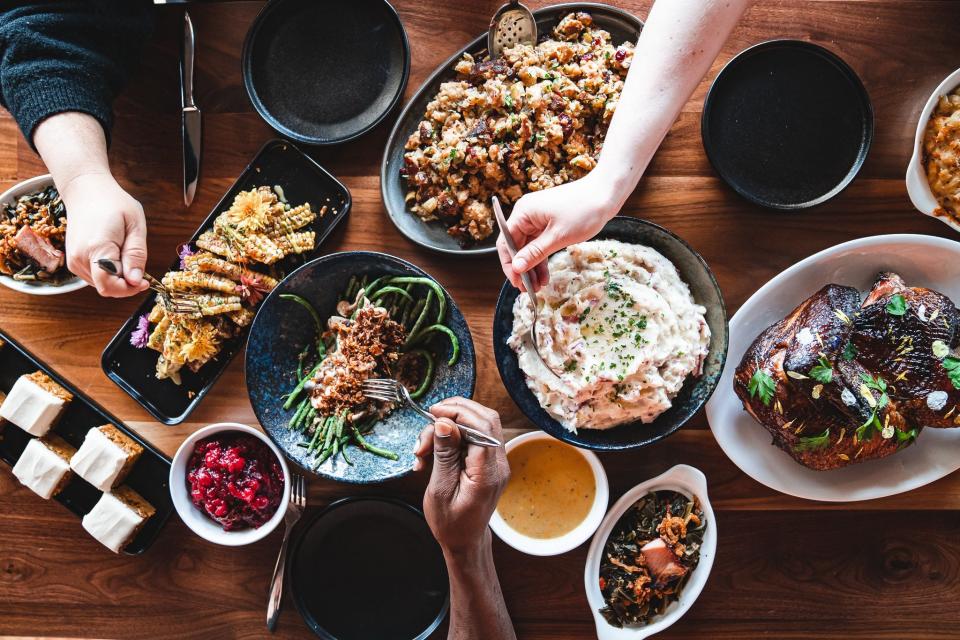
<point x="39" y="249"/>
<point x="662" y="562"/>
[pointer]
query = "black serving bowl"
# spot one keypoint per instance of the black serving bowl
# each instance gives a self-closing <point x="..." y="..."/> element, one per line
<point x="325" y="72"/>
<point x="283" y="328"/>
<point x="622" y="25"/>
<point x="695" y="391"/>
<point x="368" y="567"/>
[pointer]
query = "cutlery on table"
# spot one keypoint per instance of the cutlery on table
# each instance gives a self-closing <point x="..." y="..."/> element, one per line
<point x="298" y="502"/>
<point x="511" y="24"/>
<point x="525" y="278"/>
<point x="388" y="390"/>
<point x="191" y="118"/>
<point x="172" y="300"/>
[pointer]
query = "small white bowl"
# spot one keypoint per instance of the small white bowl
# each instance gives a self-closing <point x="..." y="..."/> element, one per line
<point x="199" y="522"/>
<point x="9" y="197"/>
<point x="917" y="186"/>
<point x="572" y="539"/>
<point x="683" y="479"/>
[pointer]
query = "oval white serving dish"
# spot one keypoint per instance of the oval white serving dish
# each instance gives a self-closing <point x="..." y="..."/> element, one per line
<point x="925" y="261"/>
<point x="572" y="539"/>
<point x="199" y="522"/>
<point x="684" y="479"/>
<point x="73" y="283"/>
<point x="917" y="186"/>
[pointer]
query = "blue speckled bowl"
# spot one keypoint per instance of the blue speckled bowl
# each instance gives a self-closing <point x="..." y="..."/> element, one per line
<point x="282" y="329"/>
<point x="695" y="392"/>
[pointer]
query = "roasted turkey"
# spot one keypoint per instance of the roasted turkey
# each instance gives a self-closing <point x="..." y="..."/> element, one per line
<point x="839" y="381"/>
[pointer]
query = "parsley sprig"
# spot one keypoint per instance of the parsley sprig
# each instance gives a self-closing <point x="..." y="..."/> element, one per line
<point x="822" y="372"/>
<point x="872" y="425"/>
<point x="812" y="443"/>
<point x="897" y="306"/>
<point x="761" y="383"/>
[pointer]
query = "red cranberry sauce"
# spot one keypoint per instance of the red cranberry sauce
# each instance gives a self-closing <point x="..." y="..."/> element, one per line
<point x="236" y="480"/>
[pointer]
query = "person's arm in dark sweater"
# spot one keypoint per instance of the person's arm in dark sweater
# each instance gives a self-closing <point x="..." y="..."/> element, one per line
<point x="61" y="66"/>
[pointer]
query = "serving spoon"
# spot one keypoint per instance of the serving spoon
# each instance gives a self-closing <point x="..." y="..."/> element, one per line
<point x="511" y="24"/>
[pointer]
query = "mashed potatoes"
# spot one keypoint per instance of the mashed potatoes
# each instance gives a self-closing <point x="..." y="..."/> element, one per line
<point x="618" y="327"/>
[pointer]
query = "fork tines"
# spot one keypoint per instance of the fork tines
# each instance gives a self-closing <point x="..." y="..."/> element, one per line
<point x="298" y="490"/>
<point x="382" y="389"/>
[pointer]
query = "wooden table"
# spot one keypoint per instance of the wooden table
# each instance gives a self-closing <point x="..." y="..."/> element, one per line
<point x="785" y="567"/>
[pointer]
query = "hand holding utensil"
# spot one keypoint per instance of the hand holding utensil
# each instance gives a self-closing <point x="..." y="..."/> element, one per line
<point x="298" y="502"/>
<point x="174" y="301"/>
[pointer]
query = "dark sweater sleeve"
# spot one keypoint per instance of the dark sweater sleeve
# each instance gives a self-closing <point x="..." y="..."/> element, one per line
<point x="68" y="56"/>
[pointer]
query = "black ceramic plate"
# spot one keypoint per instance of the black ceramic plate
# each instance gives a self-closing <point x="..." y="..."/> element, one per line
<point x="148" y="477"/>
<point x="622" y="26"/>
<point x="282" y="329"/>
<point x="325" y="72"/>
<point x="302" y="180"/>
<point x="694" y="393"/>
<point x="787" y="124"/>
<point x="368" y="568"/>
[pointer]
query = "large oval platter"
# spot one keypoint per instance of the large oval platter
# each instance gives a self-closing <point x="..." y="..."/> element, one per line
<point x="622" y="26"/>
<point x="923" y="261"/>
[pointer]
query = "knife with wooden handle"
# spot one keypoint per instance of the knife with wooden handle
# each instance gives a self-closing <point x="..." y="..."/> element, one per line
<point x="191" y="118"/>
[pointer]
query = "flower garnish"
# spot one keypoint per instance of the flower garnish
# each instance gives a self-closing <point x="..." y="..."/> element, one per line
<point x="184" y="251"/>
<point x="252" y="288"/>
<point x="141" y="335"/>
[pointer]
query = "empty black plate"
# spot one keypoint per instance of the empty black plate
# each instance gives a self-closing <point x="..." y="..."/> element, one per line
<point x="368" y="568"/>
<point x="787" y="124"/>
<point x="325" y="72"/>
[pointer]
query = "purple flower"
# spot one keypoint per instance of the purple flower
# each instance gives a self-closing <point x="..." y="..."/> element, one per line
<point x="184" y="251"/>
<point x="141" y="334"/>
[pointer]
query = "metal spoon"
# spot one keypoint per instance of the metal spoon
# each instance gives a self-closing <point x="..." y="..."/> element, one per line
<point x="511" y="24"/>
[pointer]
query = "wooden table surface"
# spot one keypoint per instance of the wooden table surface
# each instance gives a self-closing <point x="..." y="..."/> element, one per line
<point x="785" y="567"/>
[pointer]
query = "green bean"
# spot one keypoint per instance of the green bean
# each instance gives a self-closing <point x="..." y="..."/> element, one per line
<point x="411" y="311"/>
<point x="297" y="389"/>
<point x="428" y="377"/>
<point x="297" y="415"/>
<point x="351" y="288"/>
<point x="343" y="451"/>
<point x="383" y="453"/>
<point x="316" y="436"/>
<point x="412" y="334"/>
<point x="453" y="340"/>
<point x="436" y="288"/>
<point x="323" y="458"/>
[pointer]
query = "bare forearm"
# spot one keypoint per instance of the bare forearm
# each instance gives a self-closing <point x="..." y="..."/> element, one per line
<point x="679" y="42"/>
<point x="477" y="609"/>
<point x="71" y="144"/>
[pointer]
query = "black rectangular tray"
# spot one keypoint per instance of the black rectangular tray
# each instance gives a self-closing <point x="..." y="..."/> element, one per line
<point x="132" y="369"/>
<point x="149" y="476"/>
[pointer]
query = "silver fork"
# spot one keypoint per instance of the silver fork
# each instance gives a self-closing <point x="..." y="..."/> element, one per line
<point x="298" y="501"/>
<point x="173" y="301"/>
<point x="388" y="390"/>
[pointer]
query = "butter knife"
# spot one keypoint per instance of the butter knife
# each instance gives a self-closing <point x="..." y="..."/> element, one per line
<point x="191" y="118"/>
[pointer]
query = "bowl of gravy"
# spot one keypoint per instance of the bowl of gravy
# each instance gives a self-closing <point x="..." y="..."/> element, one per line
<point x="556" y="497"/>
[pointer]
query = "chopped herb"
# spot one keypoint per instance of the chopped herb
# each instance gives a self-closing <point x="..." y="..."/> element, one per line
<point x="570" y="365"/>
<point x="906" y="436"/>
<point x="823" y="372"/>
<point x="583" y="316"/>
<point x="849" y="352"/>
<point x="453" y="155"/>
<point x="952" y="365"/>
<point x="761" y="383"/>
<point x="508" y="101"/>
<point x="897" y="305"/>
<point x="550" y="76"/>
<point x="813" y="442"/>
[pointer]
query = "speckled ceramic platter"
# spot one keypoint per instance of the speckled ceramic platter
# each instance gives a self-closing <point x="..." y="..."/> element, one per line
<point x="695" y="392"/>
<point x="622" y="25"/>
<point x="282" y="329"/>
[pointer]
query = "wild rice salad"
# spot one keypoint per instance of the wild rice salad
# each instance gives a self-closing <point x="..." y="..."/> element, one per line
<point x="531" y="120"/>
<point x="32" y="234"/>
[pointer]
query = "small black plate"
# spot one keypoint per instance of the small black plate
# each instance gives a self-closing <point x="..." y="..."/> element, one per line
<point x="787" y="124"/>
<point x="368" y="567"/>
<point x="132" y="369"/>
<point x="325" y="72"/>
<point x="695" y="391"/>
<point x="149" y="476"/>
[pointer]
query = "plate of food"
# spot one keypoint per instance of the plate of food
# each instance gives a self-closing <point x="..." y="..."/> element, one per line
<point x="330" y="325"/>
<point x="933" y="176"/>
<point x="272" y="220"/>
<point x="632" y="337"/>
<point x="33" y="227"/>
<point x="848" y="362"/>
<point x="63" y="446"/>
<point x="529" y="121"/>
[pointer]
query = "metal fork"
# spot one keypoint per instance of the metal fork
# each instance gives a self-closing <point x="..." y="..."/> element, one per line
<point x="388" y="390"/>
<point x="298" y="502"/>
<point x="175" y="302"/>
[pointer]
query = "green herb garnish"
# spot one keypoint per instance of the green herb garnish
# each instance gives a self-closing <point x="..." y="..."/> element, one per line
<point x="952" y="365"/>
<point x="813" y="442"/>
<point x="761" y="383"/>
<point x="897" y="305"/>
<point x="849" y="352"/>
<point x="823" y="372"/>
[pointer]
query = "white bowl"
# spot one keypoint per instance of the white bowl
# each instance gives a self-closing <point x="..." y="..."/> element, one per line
<point x="686" y="480"/>
<point x="572" y="539"/>
<point x="917" y="186"/>
<point x="924" y="261"/>
<point x="199" y="522"/>
<point x="10" y="196"/>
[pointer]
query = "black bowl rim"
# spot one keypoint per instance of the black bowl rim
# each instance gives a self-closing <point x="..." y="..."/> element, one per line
<point x="276" y="292"/>
<point x="556" y="429"/>
<point x="444" y="67"/>
<point x="276" y="125"/>
<point x="865" y="143"/>
<point x="310" y="522"/>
